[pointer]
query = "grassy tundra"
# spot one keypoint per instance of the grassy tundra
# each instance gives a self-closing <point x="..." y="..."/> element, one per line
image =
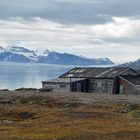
<point x="29" y="115"/>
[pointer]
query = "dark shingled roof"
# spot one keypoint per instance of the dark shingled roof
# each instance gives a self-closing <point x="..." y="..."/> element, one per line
<point x="135" y="80"/>
<point x="95" y="72"/>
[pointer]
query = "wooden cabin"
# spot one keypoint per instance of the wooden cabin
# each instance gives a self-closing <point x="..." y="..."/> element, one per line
<point x="95" y="80"/>
<point x="62" y="84"/>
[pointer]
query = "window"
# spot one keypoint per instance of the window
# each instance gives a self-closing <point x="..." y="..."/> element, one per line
<point x="63" y="86"/>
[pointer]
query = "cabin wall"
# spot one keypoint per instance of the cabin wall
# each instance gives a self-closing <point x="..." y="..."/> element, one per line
<point x="101" y="86"/>
<point x="58" y="87"/>
<point x="128" y="89"/>
<point x="136" y="90"/>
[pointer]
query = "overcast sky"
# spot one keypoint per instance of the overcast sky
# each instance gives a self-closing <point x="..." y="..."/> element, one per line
<point x="93" y="28"/>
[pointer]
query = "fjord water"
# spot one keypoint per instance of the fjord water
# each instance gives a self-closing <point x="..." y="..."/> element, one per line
<point x="17" y="75"/>
<point x="29" y="75"/>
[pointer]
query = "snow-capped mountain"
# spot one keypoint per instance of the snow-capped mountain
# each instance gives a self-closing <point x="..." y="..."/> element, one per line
<point x="23" y="51"/>
<point x="70" y="59"/>
<point x="2" y="49"/>
<point x="21" y="54"/>
<point x="46" y="53"/>
<point x="17" y="54"/>
<point x="135" y="64"/>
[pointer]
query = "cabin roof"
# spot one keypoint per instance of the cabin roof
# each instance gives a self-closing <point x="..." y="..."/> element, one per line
<point x="63" y="80"/>
<point x="111" y="72"/>
<point x="135" y="80"/>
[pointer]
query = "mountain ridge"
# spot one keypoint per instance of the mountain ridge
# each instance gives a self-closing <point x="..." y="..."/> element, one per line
<point x="133" y="64"/>
<point x="24" y="55"/>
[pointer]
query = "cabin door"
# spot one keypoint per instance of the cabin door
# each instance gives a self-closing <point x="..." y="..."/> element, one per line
<point x="78" y="87"/>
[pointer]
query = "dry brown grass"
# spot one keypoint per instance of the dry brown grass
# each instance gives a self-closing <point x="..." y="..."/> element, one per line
<point x="68" y="118"/>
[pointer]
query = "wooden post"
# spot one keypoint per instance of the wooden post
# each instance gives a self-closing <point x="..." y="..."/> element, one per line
<point x="84" y="85"/>
<point x="70" y="85"/>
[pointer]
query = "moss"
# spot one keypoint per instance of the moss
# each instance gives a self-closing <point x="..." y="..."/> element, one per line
<point x="136" y="114"/>
<point x="4" y="90"/>
<point x="26" y="89"/>
<point x="134" y="106"/>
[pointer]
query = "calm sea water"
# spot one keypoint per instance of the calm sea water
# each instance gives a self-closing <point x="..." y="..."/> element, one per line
<point x="17" y="75"/>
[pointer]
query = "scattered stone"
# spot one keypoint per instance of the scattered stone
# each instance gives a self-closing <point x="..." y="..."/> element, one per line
<point x="6" y="122"/>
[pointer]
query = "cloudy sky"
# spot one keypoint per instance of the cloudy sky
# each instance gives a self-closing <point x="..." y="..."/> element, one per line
<point x="93" y="28"/>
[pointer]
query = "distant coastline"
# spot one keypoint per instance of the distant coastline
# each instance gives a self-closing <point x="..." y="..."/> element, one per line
<point x="33" y="63"/>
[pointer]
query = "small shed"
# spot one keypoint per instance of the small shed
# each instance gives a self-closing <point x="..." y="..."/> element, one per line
<point x="65" y="84"/>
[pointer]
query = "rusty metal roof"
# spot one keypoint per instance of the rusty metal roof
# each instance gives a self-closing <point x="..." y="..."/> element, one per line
<point x="95" y="72"/>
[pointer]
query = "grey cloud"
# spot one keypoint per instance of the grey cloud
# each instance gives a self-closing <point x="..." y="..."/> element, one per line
<point x="90" y="25"/>
<point x="130" y="41"/>
<point x="70" y="11"/>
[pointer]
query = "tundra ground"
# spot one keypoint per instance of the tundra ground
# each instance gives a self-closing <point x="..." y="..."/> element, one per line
<point x="31" y="115"/>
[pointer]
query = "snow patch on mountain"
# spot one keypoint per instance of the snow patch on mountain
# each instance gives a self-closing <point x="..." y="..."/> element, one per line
<point x="22" y="51"/>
